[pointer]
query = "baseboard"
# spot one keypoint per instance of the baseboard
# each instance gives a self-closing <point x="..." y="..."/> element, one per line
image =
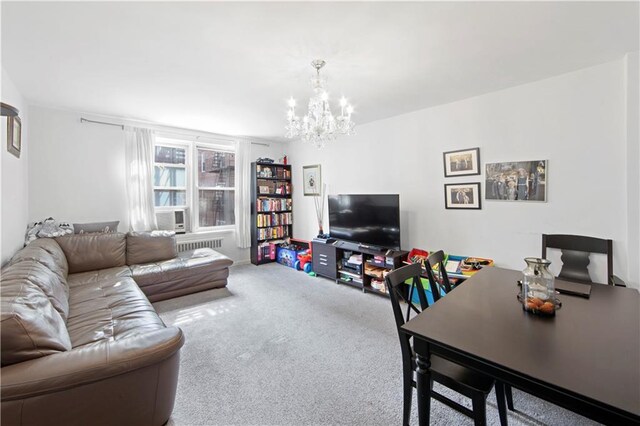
<point x="241" y="262"/>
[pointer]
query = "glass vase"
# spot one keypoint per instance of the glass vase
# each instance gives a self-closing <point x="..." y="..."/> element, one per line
<point x="538" y="289"/>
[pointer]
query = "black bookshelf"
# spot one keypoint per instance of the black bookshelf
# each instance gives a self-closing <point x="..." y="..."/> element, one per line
<point x="271" y="209"/>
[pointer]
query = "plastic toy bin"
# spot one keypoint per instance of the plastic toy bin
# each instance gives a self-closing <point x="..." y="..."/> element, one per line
<point x="287" y="257"/>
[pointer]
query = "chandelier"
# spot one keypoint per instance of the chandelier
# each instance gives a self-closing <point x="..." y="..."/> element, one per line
<point x="319" y="125"/>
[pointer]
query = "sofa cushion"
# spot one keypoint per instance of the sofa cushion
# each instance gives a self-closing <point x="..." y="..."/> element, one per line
<point x="146" y="247"/>
<point x="87" y="252"/>
<point x="190" y="269"/>
<point x="84" y="228"/>
<point x="111" y="309"/>
<point x="92" y="277"/>
<point x="29" y="325"/>
<point x="54" y="287"/>
<point x="35" y="253"/>
<point x="53" y="248"/>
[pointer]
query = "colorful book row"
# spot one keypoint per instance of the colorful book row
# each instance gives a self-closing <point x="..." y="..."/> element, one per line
<point x="274" y="219"/>
<point x="274" y="232"/>
<point x="273" y="204"/>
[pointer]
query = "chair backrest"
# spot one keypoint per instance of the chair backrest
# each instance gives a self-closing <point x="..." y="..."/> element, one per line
<point x="437" y="279"/>
<point x="398" y="292"/>
<point x="575" y="255"/>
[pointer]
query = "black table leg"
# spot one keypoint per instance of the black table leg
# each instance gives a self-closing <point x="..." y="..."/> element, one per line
<point x="424" y="384"/>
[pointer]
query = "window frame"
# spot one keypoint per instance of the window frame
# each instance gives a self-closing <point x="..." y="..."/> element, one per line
<point x="196" y="188"/>
<point x="173" y="143"/>
<point x="191" y="166"/>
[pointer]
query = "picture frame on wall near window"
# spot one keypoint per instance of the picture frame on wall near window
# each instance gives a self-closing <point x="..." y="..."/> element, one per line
<point x="463" y="162"/>
<point x="14" y="135"/>
<point x="312" y="179"/>
<point x="465" y="196"/>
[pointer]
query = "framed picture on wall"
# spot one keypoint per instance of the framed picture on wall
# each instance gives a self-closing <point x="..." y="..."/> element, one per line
<point x="312" y="179"/>
<point x="516" y="181"/>
<point x="14" y="135"/>
<point x="464" y="162"/>
<point x="462" y="196"/>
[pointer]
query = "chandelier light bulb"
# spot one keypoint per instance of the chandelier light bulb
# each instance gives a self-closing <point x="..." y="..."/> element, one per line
<point x="319" y="125"/>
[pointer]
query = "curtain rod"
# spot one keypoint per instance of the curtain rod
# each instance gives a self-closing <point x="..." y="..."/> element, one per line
<point x="84" y="120"/>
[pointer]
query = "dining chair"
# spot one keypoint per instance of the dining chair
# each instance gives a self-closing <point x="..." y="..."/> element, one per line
<point x="576" y="251"/>
<point x="467" y="382"/>
<point x="437" y="273"/>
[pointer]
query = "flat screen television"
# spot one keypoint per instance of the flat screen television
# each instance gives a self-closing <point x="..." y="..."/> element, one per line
<point x="372" y="219"/>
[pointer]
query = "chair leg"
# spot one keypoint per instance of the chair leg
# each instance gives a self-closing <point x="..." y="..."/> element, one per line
<point x="507" y="391"/>
<point x="500" y="398"/>
<point x="479" y="403"/>
<point x="408" y="395"/>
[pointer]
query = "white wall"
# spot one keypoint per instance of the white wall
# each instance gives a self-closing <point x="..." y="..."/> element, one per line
<point x="15" y="203"/>
<point x="77" y="171"/>
<point x="632" y="77"/>
<point x="575" y="120"/>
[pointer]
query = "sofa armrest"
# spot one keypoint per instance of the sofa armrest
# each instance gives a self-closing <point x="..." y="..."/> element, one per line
<point x="88" y="363"/>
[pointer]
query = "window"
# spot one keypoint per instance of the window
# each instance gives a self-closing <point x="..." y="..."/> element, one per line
<point x="170" y="176"/>
<point x="216" y="181"/>
<point x="198" y="177"/>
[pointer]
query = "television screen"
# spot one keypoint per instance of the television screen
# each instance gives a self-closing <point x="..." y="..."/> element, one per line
<point x="366" y="219"/>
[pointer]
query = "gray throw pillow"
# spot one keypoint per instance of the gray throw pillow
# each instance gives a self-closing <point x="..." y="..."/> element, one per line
<point x="89" y="228"/>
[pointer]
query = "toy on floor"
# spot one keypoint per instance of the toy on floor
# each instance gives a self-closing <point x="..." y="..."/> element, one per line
<point x="304" y="262"/>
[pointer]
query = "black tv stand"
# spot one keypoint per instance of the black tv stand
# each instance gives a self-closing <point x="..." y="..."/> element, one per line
<point x="327" y="262"/>
<point x="374" y="248"/>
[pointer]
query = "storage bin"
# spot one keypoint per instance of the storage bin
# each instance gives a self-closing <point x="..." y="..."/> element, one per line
<point x="287" y="257"/>
<point x="415" y="299"/>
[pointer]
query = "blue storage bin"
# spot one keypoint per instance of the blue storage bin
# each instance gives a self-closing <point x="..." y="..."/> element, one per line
<point x="415" y="299"/>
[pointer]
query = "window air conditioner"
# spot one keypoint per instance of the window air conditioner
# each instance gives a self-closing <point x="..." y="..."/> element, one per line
<point x="173" y="220"/>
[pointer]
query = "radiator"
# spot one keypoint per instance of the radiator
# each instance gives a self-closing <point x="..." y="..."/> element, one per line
<point x="192" y="245"/>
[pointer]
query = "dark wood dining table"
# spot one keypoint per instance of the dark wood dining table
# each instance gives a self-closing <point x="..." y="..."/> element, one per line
<point x="586" y="358"/>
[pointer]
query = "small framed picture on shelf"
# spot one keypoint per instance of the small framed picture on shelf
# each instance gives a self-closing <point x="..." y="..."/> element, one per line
<point x="264" y="189"/>
<point x="312" y="179"/>
<point x="462" y="196"/>
<point x="464" y="162"/>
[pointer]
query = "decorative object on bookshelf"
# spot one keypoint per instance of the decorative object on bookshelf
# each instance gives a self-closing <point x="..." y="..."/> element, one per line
<point x="516" y="181"/>
<point x="463" y="162"/>
<point x="271" y="214"/>
<point x="312" y="180"/>
<point x="462" y="196"/>
<point x="319" y="125"/>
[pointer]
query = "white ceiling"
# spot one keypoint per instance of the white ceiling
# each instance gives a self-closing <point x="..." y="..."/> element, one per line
<point x="230" y="67"/>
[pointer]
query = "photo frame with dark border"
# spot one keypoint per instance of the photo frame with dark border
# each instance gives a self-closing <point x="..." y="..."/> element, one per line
<point x="312" y="180"/>
<point x="14" y="135"/>
<point x="463" y="196"/>
<point x="463" y="162"/>
<point x="522" y="181"/>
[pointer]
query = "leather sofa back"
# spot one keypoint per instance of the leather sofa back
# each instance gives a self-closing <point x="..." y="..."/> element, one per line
<point x="30" y="326"/>
<point x="88" y="252"/>
<point x="148" y="247"/>
<point x="47" y="252"/>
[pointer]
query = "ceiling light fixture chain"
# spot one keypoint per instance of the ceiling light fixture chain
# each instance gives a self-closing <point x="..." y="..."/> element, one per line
<point x="319" y="125"/>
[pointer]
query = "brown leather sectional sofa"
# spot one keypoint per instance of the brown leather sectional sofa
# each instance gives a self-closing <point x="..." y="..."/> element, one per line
<point x="80" y="341"/>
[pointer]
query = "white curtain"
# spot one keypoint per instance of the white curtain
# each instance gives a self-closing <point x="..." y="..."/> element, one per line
<point x="139" y="162"/>
<point x="243" y="194"/>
